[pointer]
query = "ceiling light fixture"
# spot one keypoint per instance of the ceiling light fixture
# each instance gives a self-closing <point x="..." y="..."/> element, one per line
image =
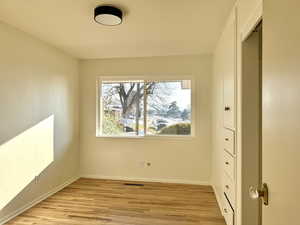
<point x="108" y="15"/>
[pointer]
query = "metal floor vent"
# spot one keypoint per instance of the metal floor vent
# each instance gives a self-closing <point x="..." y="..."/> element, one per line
<point x="134" y="184"/>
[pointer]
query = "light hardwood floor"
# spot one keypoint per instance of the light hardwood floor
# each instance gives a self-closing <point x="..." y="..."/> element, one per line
<point x="91" y="202"/>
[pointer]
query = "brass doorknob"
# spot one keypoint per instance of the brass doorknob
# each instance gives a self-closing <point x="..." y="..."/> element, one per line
<point x="257" y="193"/>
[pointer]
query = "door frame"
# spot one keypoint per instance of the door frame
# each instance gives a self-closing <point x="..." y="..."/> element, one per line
<point x="253" y="20"/>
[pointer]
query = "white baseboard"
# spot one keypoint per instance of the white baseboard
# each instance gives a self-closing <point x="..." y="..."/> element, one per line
<point x="36" y="201"/>
<point x="160" y="180"/>
<point x="218" y="198"/>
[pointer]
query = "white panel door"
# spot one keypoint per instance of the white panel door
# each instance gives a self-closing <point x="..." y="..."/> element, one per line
<point x="281" y="111"/>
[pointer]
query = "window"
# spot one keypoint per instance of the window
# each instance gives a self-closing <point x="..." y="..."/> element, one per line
<point x="137" y="108"/>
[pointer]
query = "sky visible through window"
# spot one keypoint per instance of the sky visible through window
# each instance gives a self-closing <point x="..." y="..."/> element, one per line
<point x="182" y="96"/>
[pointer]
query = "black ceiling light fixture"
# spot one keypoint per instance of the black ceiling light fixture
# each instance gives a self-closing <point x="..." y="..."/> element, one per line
<point x="108" y="15"/>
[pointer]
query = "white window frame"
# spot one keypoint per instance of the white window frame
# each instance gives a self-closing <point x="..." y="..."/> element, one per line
<point x="99" y="81"/>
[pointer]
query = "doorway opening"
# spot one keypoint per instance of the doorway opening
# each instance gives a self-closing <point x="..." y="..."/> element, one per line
<point x="251" y="119"/>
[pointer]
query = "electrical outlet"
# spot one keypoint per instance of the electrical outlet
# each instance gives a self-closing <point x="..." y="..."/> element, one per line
<point x="142" y="164"/>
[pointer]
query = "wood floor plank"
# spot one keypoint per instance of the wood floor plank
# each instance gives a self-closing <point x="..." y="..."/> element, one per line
<point x="109" y="202"/>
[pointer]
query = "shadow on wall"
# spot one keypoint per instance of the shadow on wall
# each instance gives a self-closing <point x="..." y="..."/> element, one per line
<point x="24" y="157"/>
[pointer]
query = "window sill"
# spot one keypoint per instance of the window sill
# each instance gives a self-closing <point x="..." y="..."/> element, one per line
<point x="152" y="137"/>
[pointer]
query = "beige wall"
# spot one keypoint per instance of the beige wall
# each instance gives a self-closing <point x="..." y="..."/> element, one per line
<point x="173" y="160"/>
<point x="245" y="9"/>
<point x="37" y="81"/>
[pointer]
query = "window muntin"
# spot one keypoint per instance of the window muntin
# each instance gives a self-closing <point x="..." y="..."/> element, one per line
<point x="138" y="108"/>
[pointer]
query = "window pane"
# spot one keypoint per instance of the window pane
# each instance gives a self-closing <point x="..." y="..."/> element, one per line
<point x="122" y="108"/>
<point x="169" y="108"/>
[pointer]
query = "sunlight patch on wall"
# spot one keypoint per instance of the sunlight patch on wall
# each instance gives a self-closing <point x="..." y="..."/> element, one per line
<point x="24" y="157"/>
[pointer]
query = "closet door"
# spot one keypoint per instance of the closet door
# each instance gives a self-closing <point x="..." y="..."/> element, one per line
<point x="229" y="72"/>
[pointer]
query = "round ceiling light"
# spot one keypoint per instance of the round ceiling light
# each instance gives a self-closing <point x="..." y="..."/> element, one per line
<point x="108" y="15"/>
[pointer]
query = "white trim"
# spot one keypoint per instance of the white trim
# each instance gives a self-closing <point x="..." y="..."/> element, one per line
<point x="159" y="180"/>
<point x="167" y="77"/>
<point x="253" y="21"/>
<point x="12" y="215"/>
<point x="152" y="137"/>
<point x="218" y="199"/>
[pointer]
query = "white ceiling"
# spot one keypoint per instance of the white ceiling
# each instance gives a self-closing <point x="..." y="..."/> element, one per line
<point x="150" y="27"/>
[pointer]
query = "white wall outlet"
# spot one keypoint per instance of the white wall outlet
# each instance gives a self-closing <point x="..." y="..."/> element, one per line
<point x="142" y="164"/>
